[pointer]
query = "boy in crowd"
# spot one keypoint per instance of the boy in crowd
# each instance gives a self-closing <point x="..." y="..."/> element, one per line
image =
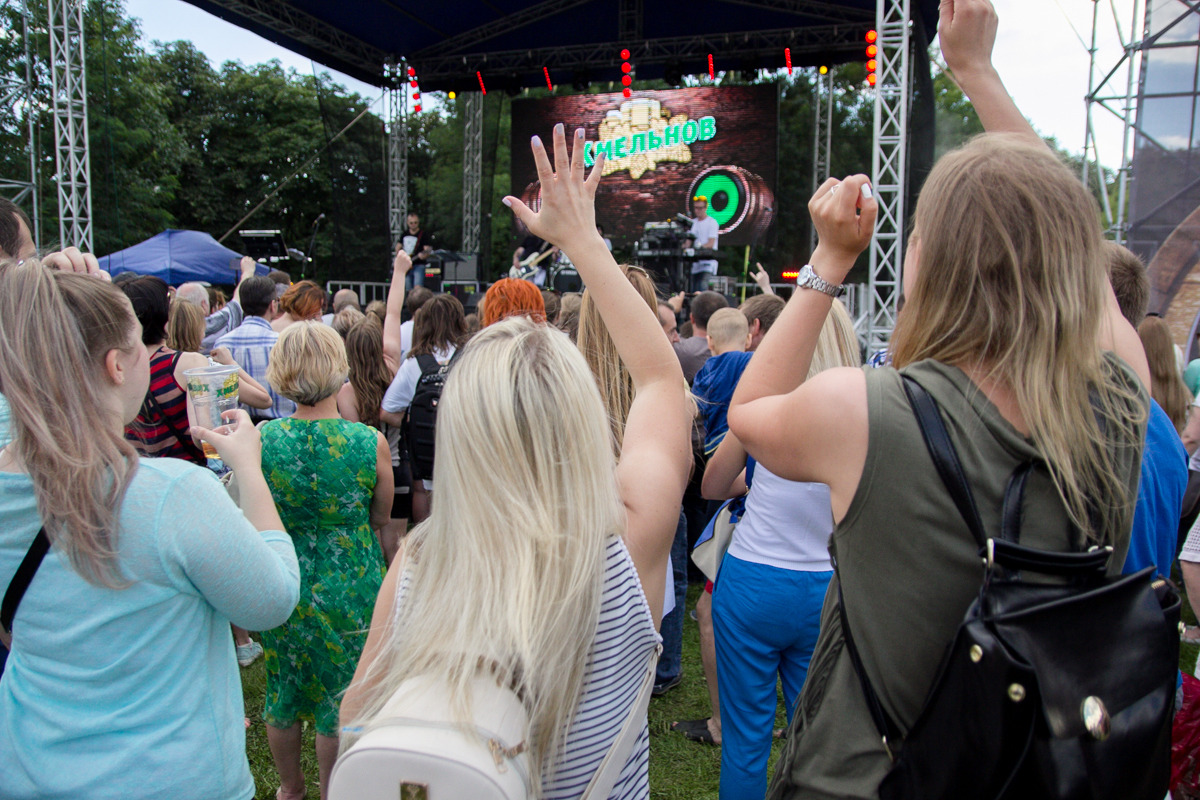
<point x="728" y="340"/>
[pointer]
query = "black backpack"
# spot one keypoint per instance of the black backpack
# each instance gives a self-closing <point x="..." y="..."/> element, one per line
<point x="422" y="413"/>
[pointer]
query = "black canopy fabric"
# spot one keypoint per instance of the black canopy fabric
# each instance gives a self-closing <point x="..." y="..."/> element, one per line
<point x="577" y="41"/>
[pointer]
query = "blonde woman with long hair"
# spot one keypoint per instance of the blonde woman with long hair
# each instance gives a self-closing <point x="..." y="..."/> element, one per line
<point x="598" y="348"/>
<point x="1011" y="325"/>
<point x="122" y="681"/>
<point x="778" y="558"/>
<point x="1166" y="384"/>
<point x="540" y="537"/>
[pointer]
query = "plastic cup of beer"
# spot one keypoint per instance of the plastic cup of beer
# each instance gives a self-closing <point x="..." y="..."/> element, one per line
<point x="213" y="390"/>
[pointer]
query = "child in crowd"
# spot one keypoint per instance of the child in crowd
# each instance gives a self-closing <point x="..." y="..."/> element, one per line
<point x="728" y="340"/>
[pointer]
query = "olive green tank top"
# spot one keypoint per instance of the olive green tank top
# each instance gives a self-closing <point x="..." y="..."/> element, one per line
<point x="909" y="570"/>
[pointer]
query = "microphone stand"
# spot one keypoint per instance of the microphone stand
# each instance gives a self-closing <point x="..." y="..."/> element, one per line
<point x="312" y="239"/>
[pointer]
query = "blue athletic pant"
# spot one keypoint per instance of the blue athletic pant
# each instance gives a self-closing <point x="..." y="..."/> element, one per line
<point x="671" y="662"/>
<point x="765" y="623"/>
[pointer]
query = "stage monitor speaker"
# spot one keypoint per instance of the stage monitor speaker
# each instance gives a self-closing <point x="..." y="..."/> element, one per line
<point x="265" y="245"/>
<point x="466" y="270"/>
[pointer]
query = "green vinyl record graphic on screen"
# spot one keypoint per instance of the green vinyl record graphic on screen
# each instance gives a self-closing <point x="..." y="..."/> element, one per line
<point x="713" y="187"/>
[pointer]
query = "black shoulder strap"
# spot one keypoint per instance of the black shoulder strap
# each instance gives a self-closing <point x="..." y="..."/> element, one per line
<point x="945" y="457"/>
<point x="22" y="578"/>
<point x="883" y="723"/>
<point x="428" y="364"/>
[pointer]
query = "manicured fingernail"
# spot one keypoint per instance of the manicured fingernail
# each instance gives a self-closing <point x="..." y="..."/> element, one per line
<point x="536" y="141"/>
<point x="507" y="201"/>
<point x="866" y="191"/>
<point x="579" y="133"/>
<point x="558" y="129"/>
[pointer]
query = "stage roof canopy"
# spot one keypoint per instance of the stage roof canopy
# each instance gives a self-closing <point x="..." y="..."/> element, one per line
<point x="578" y="41"/>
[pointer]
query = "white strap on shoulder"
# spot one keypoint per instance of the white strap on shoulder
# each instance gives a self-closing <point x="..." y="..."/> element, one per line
<point x="606" y="774"/>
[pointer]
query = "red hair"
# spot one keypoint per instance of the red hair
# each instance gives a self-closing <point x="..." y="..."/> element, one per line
<point x="508" y="297"/>
<point x="303" y="300"/>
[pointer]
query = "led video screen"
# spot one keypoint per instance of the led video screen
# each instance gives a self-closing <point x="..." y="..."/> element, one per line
<point x="661" y="149"/>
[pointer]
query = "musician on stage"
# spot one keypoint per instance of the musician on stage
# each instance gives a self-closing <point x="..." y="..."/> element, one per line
<point x="704" y="232"/>
<point x="418" y="244"/>
<point x="531" y="260"/>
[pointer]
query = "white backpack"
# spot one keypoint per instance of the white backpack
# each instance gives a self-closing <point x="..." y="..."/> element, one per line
<point x="415" y="751"/>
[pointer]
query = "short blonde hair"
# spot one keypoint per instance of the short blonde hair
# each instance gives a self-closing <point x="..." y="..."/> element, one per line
<point x="728" y="329"/>
<point x="308" y="363"/>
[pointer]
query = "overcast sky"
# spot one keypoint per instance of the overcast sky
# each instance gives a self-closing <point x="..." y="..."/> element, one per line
<point x="1039" y="53"/>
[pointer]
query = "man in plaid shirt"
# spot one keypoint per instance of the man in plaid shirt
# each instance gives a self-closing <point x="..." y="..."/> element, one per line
<point x="250" y="343"/>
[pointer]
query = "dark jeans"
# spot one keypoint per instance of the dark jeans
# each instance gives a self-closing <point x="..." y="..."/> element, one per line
<point x="671" y="661"/>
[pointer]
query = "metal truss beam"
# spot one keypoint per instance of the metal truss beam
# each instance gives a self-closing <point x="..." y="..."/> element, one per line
<point x="830" y="12"/>
<point x="822" y="137"/>
<point x="629" y="22"/>
<point x="16" y="97"/>
<point x="889" y="169"/>
<point x="472" y="171"/>
<point x="69" y="80"/>
<point x="309" y="31"/>
<point x="506" y="24"/>
<point x="440" y="70"/>
<point x="396" y="119"/>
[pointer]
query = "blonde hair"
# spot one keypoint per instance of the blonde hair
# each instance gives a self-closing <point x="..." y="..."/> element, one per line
<point x="520" y="426"/>
<point x="346" y="319"/>
<point x="307" y="363"/>
<point x="185" y="327"/>
<point x="1011" y="277"/>
<point x="598" y="348"/>
<point x="728" y="329"/>
<point x="837" y="344"/>
<point x="56" y="329"/>
<point x="1166" y="384"/>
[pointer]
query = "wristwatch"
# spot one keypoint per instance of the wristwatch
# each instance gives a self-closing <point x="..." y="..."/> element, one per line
<point x="808" y="279"/>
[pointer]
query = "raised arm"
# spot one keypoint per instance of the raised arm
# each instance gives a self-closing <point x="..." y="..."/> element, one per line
<point x="392" y="350"/>
<point x="967" y="33"/>
<point x="656" y="454"/>
<point x="725" y="473"/>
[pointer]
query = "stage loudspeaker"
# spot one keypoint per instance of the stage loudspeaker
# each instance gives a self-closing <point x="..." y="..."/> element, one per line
<point x="458" y="271"/>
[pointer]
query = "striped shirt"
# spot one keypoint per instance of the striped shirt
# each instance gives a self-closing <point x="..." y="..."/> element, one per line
<point x="625" y="637"/>
<point x="161" y="427"/>
<point x="250" y="345"/>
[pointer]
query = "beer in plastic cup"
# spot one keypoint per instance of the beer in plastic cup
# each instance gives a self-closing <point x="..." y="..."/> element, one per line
<point x="214" y="390"/>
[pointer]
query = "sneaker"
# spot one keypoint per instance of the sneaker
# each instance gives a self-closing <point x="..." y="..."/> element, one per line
<point x="248" y="653"/>
<point x="662" y="687"/>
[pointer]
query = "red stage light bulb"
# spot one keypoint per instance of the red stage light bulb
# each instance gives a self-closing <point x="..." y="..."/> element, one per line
<point x="871" y="65"/>
<point x="413" y="84"/>
<point x="626" y="80"/>
<point x="627" y="93"/>
<point x="872" y="51"/>
<point x="871" y="37"/>
<point x="711" y="74"/>
<point x="626" y="68"/>
<point x="871" y="79"/>
<point x="482" y="88"/>
<point x="411" y="72"/>
<point x="624" y="55"/>
<point x="418" y="107"/>
<point x="416" y="95"/>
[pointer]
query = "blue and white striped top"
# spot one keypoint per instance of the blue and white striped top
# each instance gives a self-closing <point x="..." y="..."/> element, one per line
<point x="624" y="639"/>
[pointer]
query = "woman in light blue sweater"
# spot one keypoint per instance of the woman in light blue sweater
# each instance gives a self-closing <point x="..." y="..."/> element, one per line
<point x="121" y="681"/>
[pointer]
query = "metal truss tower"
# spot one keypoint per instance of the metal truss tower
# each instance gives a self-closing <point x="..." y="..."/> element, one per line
<point x="16" y="96"/>
<point x="69" y="79"/>
<point x="1105" y="94"/>
<point x="889" y="169"/>
<point x="822" y="136"/>
<point x="396" y="116"/>
<point x="472" y="171"/>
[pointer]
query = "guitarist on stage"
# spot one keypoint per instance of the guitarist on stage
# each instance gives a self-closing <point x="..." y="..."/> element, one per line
<point x="530" y="260"/>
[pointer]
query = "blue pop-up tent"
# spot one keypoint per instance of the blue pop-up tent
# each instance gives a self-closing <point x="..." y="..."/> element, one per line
<point x="178" y="257"/>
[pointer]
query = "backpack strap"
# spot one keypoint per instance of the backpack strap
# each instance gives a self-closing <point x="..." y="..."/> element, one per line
<point x="427" y="363"/>
<point x="22" y="578"/>
<point x="605" y="776"/>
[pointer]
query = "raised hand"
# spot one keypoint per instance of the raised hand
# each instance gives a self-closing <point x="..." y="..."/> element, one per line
<point x="966" y="34"/>
<point x="567" y="217"/>
<point x="402" y="263"/>
<point x="72" y="259"/>
<point x="844" y="215"/>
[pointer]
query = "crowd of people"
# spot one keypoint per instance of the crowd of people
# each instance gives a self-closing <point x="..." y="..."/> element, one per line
<point x="580" y="445"/>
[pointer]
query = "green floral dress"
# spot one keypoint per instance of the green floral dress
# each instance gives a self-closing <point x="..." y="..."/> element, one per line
<point x="322" y="475"/>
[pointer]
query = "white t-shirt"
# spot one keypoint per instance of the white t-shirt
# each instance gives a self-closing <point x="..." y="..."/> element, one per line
<point x="405" y="338"/>
<point x="399" y="395"/>
<point x="703" y="230"/>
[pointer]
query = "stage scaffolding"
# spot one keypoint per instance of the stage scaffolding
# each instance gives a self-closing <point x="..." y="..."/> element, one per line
<point x="472" y="173"/>
<point x="889" y="169"/>
<point x="16" y="95"/>
<point x="68" y="76"/>
<point x="396" y="118"/>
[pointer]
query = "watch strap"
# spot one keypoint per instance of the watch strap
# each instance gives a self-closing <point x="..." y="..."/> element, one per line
<point x="809" y="279"/>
